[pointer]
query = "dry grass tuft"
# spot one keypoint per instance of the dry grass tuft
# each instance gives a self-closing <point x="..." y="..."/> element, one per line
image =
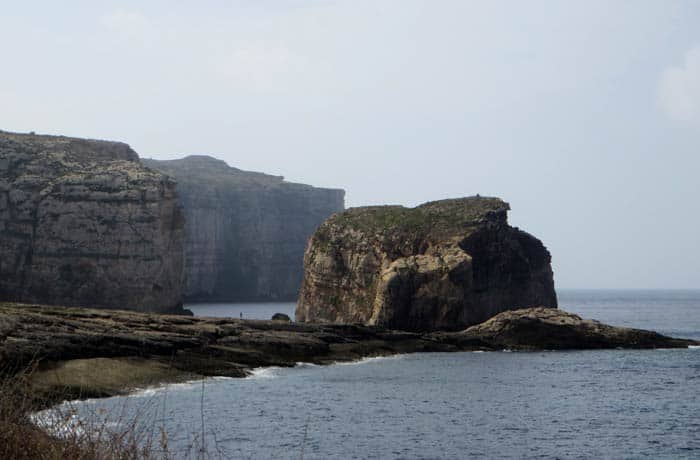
<point x="21" y="438"/>
<point x="34" y="426"/>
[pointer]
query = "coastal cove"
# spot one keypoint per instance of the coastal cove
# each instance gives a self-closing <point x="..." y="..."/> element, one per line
<point x="344" y="230"/>
<point x="605" y="403"/>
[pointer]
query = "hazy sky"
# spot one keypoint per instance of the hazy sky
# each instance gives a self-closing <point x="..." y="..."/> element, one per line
<point x="585" y="116"/>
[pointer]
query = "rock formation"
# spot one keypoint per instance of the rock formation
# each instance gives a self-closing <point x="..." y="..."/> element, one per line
<point x="84" y="223"/>
<point x="281" y="317"/>
<point x="553" y="329"/>
<point x="442" y="265"/>
<point x="73" y="345"/>
<point x="245" y="231"/>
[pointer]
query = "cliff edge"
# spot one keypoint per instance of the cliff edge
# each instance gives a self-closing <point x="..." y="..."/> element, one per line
<point x="444" y="265"/>
<point x="83" y="222"/>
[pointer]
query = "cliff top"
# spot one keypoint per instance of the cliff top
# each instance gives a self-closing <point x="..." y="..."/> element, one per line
<point x="446" y="215"/>
<point x="204" y="168"/>
<point x="77" y="147"/>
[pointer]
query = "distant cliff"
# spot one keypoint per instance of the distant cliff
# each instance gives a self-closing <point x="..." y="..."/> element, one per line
<point x="245" y="231"/>
<point x="84" y="223"/>
<point x="442" y="265"/>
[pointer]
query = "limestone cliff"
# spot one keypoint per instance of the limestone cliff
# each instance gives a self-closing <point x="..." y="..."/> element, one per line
<point x="83" y="223"/>
<point x="442" y="265"/>
<point x="245" y="231"/>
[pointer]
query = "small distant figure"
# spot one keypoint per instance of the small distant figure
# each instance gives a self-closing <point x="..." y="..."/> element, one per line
<point x="241" y="315"/>
<point x="478" y="196"/>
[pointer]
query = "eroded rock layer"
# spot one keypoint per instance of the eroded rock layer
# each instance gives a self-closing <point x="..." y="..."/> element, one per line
<point x="83" y="222"/>
<point x="245" y="231"/>
<point x="442" y="265"/>
<point x="72" y="345"/>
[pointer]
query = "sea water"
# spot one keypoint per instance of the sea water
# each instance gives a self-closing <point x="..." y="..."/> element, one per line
<point x="578" y="404"/>
<point x="251" y="310"/>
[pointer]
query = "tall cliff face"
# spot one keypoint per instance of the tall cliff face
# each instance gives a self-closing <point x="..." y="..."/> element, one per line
<point x="442" y="265"/>
<point x="84" y="223"/>
<point x="245" y="231"/>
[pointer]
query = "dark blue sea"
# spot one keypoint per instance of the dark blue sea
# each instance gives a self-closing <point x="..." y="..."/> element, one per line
<point x="579" y="404"/>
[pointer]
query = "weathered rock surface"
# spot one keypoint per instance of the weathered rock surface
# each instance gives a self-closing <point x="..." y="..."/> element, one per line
<point x="552" y="329"/>
<point x="442" y="265"/>
<point x="106" y="351"/>
<point x="245" y="231"/>
<point x="82" y="222"/>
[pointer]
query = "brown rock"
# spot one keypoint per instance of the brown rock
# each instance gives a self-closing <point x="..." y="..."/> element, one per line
<point x="281" y="317"/>
<point x="553" y="329"/>
<point x="82" y="222"/>
<point x="103" y="352"/>
<point x="442" y="265"/>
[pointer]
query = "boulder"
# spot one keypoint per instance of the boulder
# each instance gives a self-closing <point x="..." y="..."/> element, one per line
<point x="281" y="317"/>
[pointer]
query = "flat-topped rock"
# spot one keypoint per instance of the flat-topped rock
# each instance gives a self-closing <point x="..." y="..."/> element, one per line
<point x="444" y="265"/>
<point x="83" y="222"/>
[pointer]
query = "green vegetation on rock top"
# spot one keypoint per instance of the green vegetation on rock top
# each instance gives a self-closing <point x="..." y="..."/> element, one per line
<point x="434" y="215"/>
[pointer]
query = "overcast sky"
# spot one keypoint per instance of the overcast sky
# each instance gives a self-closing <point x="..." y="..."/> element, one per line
<point x="585" y="116"/>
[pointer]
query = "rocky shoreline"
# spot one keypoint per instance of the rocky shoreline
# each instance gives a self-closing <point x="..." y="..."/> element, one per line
<point x="81" y="353"/>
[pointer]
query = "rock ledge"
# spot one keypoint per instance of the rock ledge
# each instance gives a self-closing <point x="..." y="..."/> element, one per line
<point x="88" y="353"/>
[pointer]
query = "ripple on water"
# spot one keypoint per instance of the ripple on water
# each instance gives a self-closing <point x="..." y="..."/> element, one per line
<point x="610" y="404"/>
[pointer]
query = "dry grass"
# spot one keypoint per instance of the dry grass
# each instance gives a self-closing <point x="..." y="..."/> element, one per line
<point x="61" y="432"/>
<point x="21" y="439"/>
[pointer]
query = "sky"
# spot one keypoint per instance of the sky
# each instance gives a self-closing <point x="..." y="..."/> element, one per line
<point x="583" y="115"/>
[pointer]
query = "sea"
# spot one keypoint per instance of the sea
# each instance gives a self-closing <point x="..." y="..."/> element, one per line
<point x="539" y="405"/>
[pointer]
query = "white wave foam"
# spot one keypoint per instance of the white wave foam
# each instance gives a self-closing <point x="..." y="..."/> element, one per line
<point x="694" y="347"/>
<point x="369" y="359"/>
<point x="58" y="423"/>
<point x="274" y="371"/>
<point x="147" y="392"/>
<point x="263" y="372"/>
<point x="180" y="386"/>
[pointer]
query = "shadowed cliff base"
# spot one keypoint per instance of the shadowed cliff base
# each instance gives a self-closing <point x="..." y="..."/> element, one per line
<point x="443" y="265"/>
<point x="94" y="353"/>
